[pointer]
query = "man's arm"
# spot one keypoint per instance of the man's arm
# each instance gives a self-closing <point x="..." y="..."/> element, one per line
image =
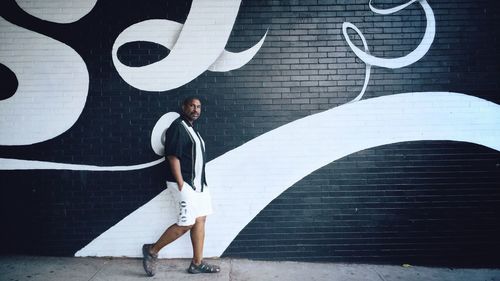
<point x="175" y="167"/>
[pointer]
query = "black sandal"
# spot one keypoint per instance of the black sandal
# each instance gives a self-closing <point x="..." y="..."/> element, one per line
<point x="203" y="267"/>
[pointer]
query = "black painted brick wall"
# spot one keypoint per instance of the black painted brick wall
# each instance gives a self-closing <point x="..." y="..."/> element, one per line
<point x="419" y="203"/>
<point x="425" y="202"/>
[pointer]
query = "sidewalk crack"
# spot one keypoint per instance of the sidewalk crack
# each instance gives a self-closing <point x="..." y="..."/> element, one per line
<point x="99" y="270"/>
<point x="230" y="269"/>
<point x="379" y="275"/>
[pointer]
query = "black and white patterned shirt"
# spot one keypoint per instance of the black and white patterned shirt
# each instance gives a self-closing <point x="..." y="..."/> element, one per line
<point x="183" y="141"/>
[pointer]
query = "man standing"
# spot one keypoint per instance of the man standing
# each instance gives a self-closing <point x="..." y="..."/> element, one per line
<point x="185" y="153"/>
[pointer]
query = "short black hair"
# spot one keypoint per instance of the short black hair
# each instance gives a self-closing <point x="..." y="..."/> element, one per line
<point x="187" y="100"/>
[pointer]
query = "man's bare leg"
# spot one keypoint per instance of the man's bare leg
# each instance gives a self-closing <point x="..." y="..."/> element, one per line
<point x="170" y="235"/>
<point x="150" y="251"/>
<point x="198" y="239"/>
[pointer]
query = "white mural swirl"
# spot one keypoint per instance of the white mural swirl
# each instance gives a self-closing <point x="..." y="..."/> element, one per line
<point x="60" y="11"/>
<point x="53" y="86"/>
<point x="196" y="46"/>
<point x="368" y="67"/>
<point x="410" y="58"/>
<point x="157" y="144"/>
<point x="47" y="103"/>
<point x="244" y="191"/>
<point x="53" y="78"/>
<point x="19" y="164"/>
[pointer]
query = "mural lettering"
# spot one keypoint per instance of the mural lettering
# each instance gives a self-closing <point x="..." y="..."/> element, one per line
<point x="51" y="93"/>
<point x="196" y="46"/>
<point x="61" y="11"/>
<point x="404" y="117"/>
<point x="52" y="105"/>
<point x="410" y="58"/>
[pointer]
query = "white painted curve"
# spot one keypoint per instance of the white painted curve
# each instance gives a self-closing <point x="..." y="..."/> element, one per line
<point x="59" y="11"/>
<point x="415" y="55"/>
<point x="242" y="188"/>
<point x="21" y="164"/>
<point x="199" y="43"/>
<point x="53" y="86"/>
<point x="165" y="33"/>
<point x="229" y="60"/>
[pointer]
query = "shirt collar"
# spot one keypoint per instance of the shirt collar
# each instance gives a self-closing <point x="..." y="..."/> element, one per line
<point x="186" y="120"/>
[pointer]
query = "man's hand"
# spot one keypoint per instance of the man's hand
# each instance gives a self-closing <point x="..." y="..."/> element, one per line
<point x="180" y="185"/>
<point x="175" y="167"/>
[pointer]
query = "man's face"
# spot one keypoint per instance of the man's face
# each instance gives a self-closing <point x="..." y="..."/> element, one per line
<point x="192" y="110"/>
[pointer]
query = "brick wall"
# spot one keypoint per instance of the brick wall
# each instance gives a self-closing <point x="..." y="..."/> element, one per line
<point x="419" y="202"/>
<point x="362" y="209"/>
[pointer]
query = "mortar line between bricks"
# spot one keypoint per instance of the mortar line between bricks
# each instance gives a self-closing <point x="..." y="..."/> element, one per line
<point x="99" y="270"/>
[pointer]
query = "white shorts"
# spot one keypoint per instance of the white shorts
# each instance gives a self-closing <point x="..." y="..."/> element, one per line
<point x="190" y="204"/>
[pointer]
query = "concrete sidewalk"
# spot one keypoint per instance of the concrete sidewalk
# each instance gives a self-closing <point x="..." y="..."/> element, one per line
<point x="123" y="269"/>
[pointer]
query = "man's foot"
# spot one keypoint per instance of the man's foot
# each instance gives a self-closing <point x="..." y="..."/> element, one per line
<point x="149" y="260"/>
<point x="203" y="267"/>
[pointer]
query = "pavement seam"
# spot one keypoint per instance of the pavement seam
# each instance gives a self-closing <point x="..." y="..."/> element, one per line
<point x="99" y="270"/>
<point x="230" y="269"/>
<point x="379" y="275"/>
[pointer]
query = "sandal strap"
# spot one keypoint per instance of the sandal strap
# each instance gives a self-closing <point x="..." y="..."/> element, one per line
<point x="208" y="267"/>
<point x="203" y="267"/>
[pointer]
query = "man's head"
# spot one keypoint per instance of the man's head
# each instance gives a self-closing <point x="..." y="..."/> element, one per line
<point x="191" y="108"/>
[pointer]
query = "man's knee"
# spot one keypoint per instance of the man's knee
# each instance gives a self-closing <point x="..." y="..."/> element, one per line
<point x="184" y="228"/>
<point x="201" y="219"/>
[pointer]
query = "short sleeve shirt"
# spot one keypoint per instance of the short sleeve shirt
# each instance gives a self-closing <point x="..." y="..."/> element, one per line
<point x="185" y="143"/>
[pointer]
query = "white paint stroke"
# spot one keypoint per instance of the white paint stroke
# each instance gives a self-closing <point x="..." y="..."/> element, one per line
<point x="52" y="91"/>
<point x="20" y="164"/>
<point x="194" y="46"/>
<point x="228" y="60"/>
<point x="245" y="180"/>
<point x="367" y="66"/>
<point x="165" y="33"/>
<point x="59" y="11"/>
<point x="159" y="130"/>
<point x="157" y="144"/>
<point x="410" y="58"/>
